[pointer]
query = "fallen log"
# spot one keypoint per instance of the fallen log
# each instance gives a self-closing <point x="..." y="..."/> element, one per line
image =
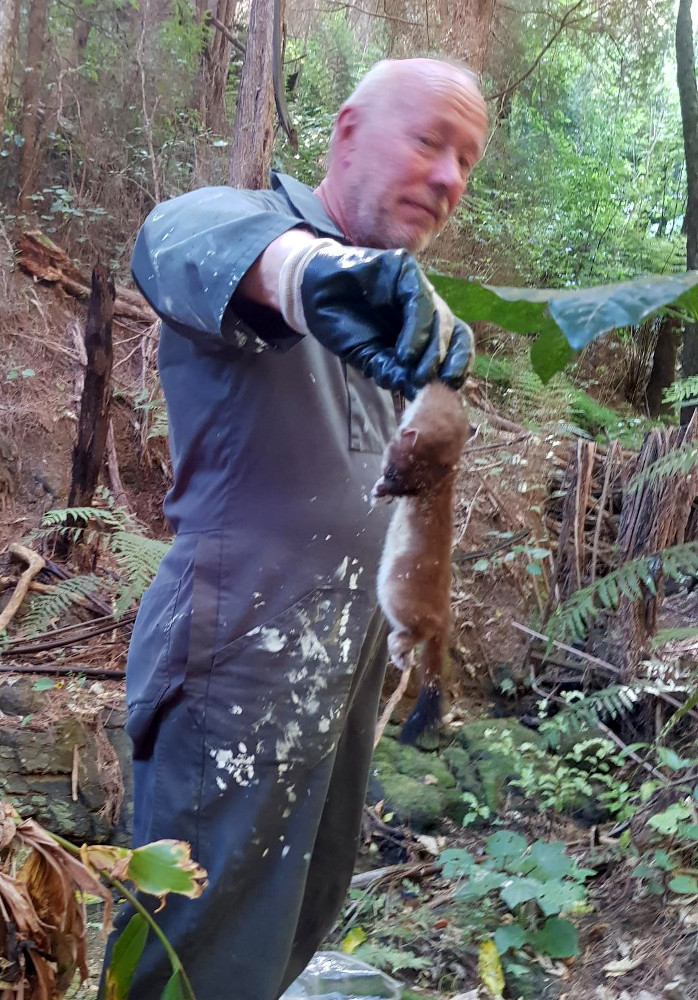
<point x="44" y="260"/>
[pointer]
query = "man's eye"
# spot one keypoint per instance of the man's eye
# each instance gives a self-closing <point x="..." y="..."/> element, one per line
<point x="428" y="140"/>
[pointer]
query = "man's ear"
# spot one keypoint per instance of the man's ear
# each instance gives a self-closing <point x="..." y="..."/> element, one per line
<point x="345" y="126"/>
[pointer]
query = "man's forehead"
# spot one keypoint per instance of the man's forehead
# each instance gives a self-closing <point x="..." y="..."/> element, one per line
<point x="412" y="94"/>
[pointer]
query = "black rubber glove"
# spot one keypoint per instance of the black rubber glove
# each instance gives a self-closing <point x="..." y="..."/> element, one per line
<point x="376" y="310"/>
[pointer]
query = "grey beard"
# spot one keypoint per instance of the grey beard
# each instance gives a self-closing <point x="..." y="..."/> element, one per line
<point x="376" y="229"/>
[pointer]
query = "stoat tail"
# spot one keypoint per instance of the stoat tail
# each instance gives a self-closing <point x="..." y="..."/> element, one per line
<point x="424" y="722"/>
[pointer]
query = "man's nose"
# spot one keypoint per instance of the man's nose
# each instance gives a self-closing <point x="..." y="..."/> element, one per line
<point x="449" y="177"/>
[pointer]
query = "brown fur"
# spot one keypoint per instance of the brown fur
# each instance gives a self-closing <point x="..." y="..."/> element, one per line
<point x="414" y="578"/>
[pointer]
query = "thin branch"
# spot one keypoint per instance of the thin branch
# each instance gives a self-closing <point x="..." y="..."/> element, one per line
<point x="564" y="23"/>
<point x="569" y="649"/>
<point x="64" y="669"/>
<point x="219" y="26"/>
<point x="146" y="117"/>
<point x="374" y="13"/>
<point x="394" y="699"/>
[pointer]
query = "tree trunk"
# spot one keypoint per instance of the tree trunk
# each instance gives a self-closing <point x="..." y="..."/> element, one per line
<point x="213" y="71"/>
<point x="253" y="131"/>
<point x="88" y="453"/>
<point x="467" y="29"/>
<point x="9" y="23"/>
<point x="82" y="26"/>
<point x="688" y="94"/>
<point x="663" y="366"/>
<point x="36" y="43"/>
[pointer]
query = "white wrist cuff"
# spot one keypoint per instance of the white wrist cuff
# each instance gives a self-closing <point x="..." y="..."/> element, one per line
<point x="291" y="278"/>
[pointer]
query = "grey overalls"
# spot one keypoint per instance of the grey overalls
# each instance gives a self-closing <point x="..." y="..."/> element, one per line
<point x="257" y="658"/>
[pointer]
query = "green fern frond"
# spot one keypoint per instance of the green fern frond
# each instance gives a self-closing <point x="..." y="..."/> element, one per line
<point x="665" y="635"/>
<point x="155" y="412"/>
<point x="45" y="608"/>
<point x="72" y="521"/>
<point x="682" y="460"/>
<point x="138" y="558"/>
<point x="687" y="707"/>
<point x="615" y="701"/>
<point x="573" y="618"/>
<point x="684" y="389"/>
<point x="539" y="402"/>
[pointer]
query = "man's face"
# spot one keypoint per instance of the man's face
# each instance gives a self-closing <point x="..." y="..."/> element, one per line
<point x="410" y="158"/>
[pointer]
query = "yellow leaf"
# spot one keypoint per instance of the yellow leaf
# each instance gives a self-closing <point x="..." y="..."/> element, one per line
<point x="490" y="968"/>
<point x="354" y="938"/>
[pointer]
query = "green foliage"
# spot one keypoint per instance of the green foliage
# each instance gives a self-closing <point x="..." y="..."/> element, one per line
<point x="590" y="709"/>
<point x="572" y="619"/>
<point x="682" y="391"/>
<point x="45" y="608"/>
<point x="329" y="62"/>
<point x="476" y="811"/>
<point x="153" y="410"/>
<point x="671" y="862"/>
<point x="586" y="772"/>
<point x="680" y="460"/>
<point x="535" y="884"/>
<point x="389" y="958"/>
<point x="566" y="320"/>
<point x="138" y="558"/>
<point x="529" y="557"/>
<point x="114" y="531"/>
<point x="491" y="369"/>
<point x="128" y="948"/>
<point x="665" y="635"/>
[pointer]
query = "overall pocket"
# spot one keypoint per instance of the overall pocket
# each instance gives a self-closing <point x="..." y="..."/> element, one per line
<point x="372" y="413"/>
<point x="156" y="656"/>
<point x="278" y="694"/>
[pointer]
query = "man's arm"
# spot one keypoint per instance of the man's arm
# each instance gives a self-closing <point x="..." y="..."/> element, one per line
<point x="261" y="282"/>
<point x="193" y="252"/>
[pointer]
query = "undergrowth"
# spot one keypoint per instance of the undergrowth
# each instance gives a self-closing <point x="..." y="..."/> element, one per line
<point x="114" y="535"/>
<point x="561" y="401"/>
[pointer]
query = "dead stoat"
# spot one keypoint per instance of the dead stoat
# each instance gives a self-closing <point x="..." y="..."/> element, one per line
<point x="414" y="577"/>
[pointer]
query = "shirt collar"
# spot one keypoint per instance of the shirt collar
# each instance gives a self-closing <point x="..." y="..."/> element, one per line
<point x="305" y="204"/>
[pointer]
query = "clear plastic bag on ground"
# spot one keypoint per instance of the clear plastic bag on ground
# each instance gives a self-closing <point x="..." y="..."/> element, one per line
<point x="332" y="975"/>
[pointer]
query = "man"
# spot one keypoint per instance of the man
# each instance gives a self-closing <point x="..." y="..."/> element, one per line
<point x="257" y="659"/>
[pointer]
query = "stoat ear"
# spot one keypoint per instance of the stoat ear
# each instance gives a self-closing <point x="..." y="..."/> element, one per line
<point x="410" y="432"/>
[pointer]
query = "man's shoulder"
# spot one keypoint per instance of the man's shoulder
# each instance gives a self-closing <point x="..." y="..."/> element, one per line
<point x="206" y="197"/>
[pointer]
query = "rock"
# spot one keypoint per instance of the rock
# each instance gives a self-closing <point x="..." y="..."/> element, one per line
<point x="36" y="767"/>
<point x="418" y="787"/>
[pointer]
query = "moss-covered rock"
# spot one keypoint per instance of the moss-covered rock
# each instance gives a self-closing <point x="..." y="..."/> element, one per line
<point x="418" y="787"/>
<point x="482" y="768"/>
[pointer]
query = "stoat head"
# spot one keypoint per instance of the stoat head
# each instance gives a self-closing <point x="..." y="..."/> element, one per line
<point x="427" y="446"/>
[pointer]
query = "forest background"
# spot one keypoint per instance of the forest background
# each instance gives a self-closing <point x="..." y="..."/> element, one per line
<point x="576" y="500"/>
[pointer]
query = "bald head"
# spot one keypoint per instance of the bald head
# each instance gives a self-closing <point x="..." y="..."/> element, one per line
<point x="388" y="78"/>
<point x="403" y="145"/>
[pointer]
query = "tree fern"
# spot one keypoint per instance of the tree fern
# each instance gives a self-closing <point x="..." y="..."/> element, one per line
<point x="74" y="521"/>
<point x="679" y="392"/>
<point x="573" y="618"/>
<point x="136" y="555"/>
<point x="138" y="558"/>
<point x="681" y="459"/>
<point x="44" y="608"/>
